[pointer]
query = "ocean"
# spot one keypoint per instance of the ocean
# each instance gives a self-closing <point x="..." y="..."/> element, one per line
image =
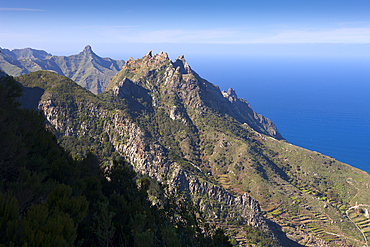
<point x="321" y="103"/>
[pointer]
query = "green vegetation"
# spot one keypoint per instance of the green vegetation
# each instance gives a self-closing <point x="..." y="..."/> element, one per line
<point x="168" y="119"/>
<point x="259" y="238"/>
<point x="360" y="216"/>
<point x="80" y="108"/>
<point x="48" y="198"/>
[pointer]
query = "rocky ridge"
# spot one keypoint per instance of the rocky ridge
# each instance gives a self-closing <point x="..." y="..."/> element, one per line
<point x="166" y="120"/>
<point x="86" y="68"/>
<point x="149" y="158"/>
<point x="179" y="79"/>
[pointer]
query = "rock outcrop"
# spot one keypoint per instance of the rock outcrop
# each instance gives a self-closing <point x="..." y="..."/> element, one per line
<point x="150" y="159"/>
<point x="179" y="79"/>
<point x="173" y="126"/>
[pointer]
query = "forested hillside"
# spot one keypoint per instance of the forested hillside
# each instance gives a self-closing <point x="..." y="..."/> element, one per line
<point x="49" y="198"/>
<point x="177" y="128"/>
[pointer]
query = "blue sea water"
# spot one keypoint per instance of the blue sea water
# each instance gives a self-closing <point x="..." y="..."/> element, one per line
<point x="321" y="103"/>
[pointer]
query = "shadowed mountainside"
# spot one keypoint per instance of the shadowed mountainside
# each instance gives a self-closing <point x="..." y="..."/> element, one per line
<point x="49" y="198"/>
<point x="172" y="125"/>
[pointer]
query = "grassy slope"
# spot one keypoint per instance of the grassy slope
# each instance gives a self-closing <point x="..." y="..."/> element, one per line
<point x="65" y="93"/>
<point x="297" y="188"/>
<point x="74" y="105"/>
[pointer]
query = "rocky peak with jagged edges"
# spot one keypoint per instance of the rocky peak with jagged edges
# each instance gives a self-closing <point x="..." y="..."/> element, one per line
<point x="86" y="68"/>
<point x="160" y="76"/>
<point x="182" y="66"/>
<point x="88" y="53"/>
<point x="87" y="49"/>
<point x="230" y="95"/>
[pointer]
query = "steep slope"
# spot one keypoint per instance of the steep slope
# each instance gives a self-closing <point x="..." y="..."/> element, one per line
<point x="217" y="133"/>
<point x="81" y="120"/>
<point x="190" y="88"/>
<point x="48" y="198"/>
<point x="86" y="68"/>
<point x="172" y="124"/>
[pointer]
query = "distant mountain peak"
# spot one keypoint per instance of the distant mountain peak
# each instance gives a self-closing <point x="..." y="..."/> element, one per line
<point x="86" y="68"/>
<point x="29" y="53"/>
<point x="88" y="48"/>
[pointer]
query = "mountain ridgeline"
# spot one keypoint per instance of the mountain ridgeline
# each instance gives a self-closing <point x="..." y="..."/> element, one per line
<point x="49" y="198"/>
<point x="86" y="68"/>
<point x="177" y="128"/>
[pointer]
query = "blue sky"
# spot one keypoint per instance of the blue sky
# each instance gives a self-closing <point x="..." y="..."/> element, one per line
<point x="63" y="27"/>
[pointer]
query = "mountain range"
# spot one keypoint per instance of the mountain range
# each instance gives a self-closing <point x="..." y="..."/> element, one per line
<point x="173" y="126"/>
<point x="86" y="68"/>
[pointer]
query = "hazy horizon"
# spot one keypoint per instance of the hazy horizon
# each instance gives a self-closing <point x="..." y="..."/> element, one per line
<point x="208" y="32"/>
<point x="193" y="27"/>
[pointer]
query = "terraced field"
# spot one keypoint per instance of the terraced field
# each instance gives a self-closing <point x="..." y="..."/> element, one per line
<point x="313" y="215"/>
<point x="359" y="215"/>
<point x="316" y="217"/>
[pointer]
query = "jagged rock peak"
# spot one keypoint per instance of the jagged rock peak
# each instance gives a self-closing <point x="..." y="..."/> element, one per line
<point x="163" y="54"/>
<point x="230" y="95"/>
<point x="87" y="49"/>
<point x="147" y="60"/>
<point x="129" y="62"/>
<point x="149" y="54"/>
<point x="231" y="92"/>
<point x="181" y="65"/>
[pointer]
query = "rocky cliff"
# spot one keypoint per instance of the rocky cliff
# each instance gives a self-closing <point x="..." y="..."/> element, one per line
<point x="148" y="157"/>
<point x="177" y="78"/>
<point x="174" y="126"/>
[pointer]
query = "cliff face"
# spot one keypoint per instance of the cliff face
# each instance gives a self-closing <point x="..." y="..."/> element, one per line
<point x="174" y="126"/>
<point x="159" y="75"/>
<point x="148" y="157"/>
<point x="151" y="159"/>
